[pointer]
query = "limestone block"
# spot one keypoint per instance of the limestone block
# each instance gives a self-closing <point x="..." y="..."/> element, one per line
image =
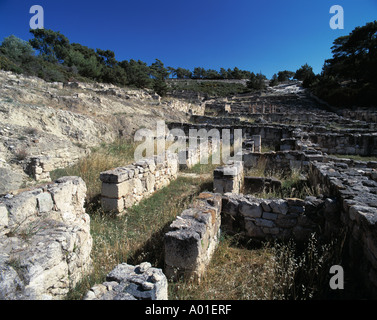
<point x="193" y="237"/>
<point x="127" y="282"/>
<point x="150" y="182"/>
<point x="230" y="206"/>
<point x="286" y="222"/>
<point x="4" y="221"/>
<point x="23" y="209"/>
<point x="62" y="190"/>
<point x="137" y="186"/>
<point x="279" y="206"/>
<point x="44" y="202"/>
<point x="265" y="206"/>
<point x="116" y="190"/>
<point x="117" y="175"/>
<point x="252" y="210"/>
<point x="264" y="223"/>
<point x="269" y="215"/>
<point x="112" y="205"/>
<point x="253" y="230"/>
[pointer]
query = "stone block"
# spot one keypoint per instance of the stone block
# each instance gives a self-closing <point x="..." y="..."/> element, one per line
<point x="193" y="237"/>
<point x="116" y="190"/>
<point x="269" y="215"/>
<point x="264" y="223"/>
<point x="252" y="210"/>
<point x="52" y="250"/>
<point x="117" y="175"/>
<point x="112" y="205"/>
<point x="230" y="206"/>
<point x="285" y="222"/>
<point x="44" y="202"/>
<point x="127" y="282"/>
<point x="3" y="217"/>
<point x="279" y="206"/>
<point x="253" y="230"/>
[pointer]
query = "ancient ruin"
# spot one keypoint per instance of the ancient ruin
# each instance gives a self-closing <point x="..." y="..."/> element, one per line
<point x="45" y="231"/>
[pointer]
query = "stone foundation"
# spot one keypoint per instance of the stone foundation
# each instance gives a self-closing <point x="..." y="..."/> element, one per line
<point x="125" y="186"/>
<point x="229" y="178"/>
<point x="197" y="154"/>
<point x="272" y="218"/>
<point x="193" y="237"/>
<point x="356" y="191"/>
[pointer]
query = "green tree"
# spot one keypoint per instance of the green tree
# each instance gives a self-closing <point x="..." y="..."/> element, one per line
<point x="137" y="72"/>
<point x="182" y="73"/>
<point x="17" y="49"/>
<point x="355" y="55"/>
<point x="349" y="79"/>
<point x="212" y="74"/>
<point x="274" y="81"/>
<point x="304" y="72"/>
<point x="256" y="81"/>
<point x="53" y="46"/>
<point x="86" y="61"/>
<point x="159" y="74"/>
<point x="285" y="75"/>
<point x="223" y="73"/>
<point x="237" y="73"/>
<point x="199" y="73"/>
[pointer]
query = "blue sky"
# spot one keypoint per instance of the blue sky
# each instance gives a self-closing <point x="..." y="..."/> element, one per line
<point x="266" y="36"/>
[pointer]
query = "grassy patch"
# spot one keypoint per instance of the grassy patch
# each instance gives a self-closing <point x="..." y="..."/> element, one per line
<point x="138" y="235"/>
<point x="273" y="271"/>
<point x="107" y="156"/>
<point x="212" y="88"/>
<point x="293" y="182"/>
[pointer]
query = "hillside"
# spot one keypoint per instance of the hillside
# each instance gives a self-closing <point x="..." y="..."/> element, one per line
<point x="62" y="121"/>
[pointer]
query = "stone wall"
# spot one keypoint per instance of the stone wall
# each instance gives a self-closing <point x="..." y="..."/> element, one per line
<point x="279" y="161"/>
<point x="197" y="154"/>
<point x="193" y="237"/>
<point x="45" y="241"/>
<point x="356" y="189"/>
<point x="272" y="218"/>
<point x="347" y="143"/>
<point x="260" y="184"/>
<point x="125" y="186"/>
<point x="229" y="178"/>
<point x="270" y="134"/>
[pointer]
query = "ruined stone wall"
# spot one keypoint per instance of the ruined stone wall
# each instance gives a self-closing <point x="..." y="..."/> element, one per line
<point x="270" y="134"/>
<point x="45" y="241"/>
<point x="279" y="161"/>
<point x="346" y="143"/>
<point x="364" y="115"/>
<point x="229" y="178"/>
<point x="193" y="237"/>
<point x="356" y="190"/>
<point x="272" y="218"/>
<point x="196" y="154"/>
<point x="125" y="186"/>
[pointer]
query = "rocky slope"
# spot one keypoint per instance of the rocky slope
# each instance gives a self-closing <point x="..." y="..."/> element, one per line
<point x="61" y="121"/>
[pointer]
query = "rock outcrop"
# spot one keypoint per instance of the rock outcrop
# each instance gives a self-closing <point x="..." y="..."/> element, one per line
<point x="127" y="282"/>
<point x="45" y="241"/>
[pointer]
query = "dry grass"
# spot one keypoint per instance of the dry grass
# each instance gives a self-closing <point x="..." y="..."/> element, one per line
<point x="105" y="157"/>
<point x="276" y="271"/>
<point x="233" y="274"/>
<point x="138" y="235"/>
